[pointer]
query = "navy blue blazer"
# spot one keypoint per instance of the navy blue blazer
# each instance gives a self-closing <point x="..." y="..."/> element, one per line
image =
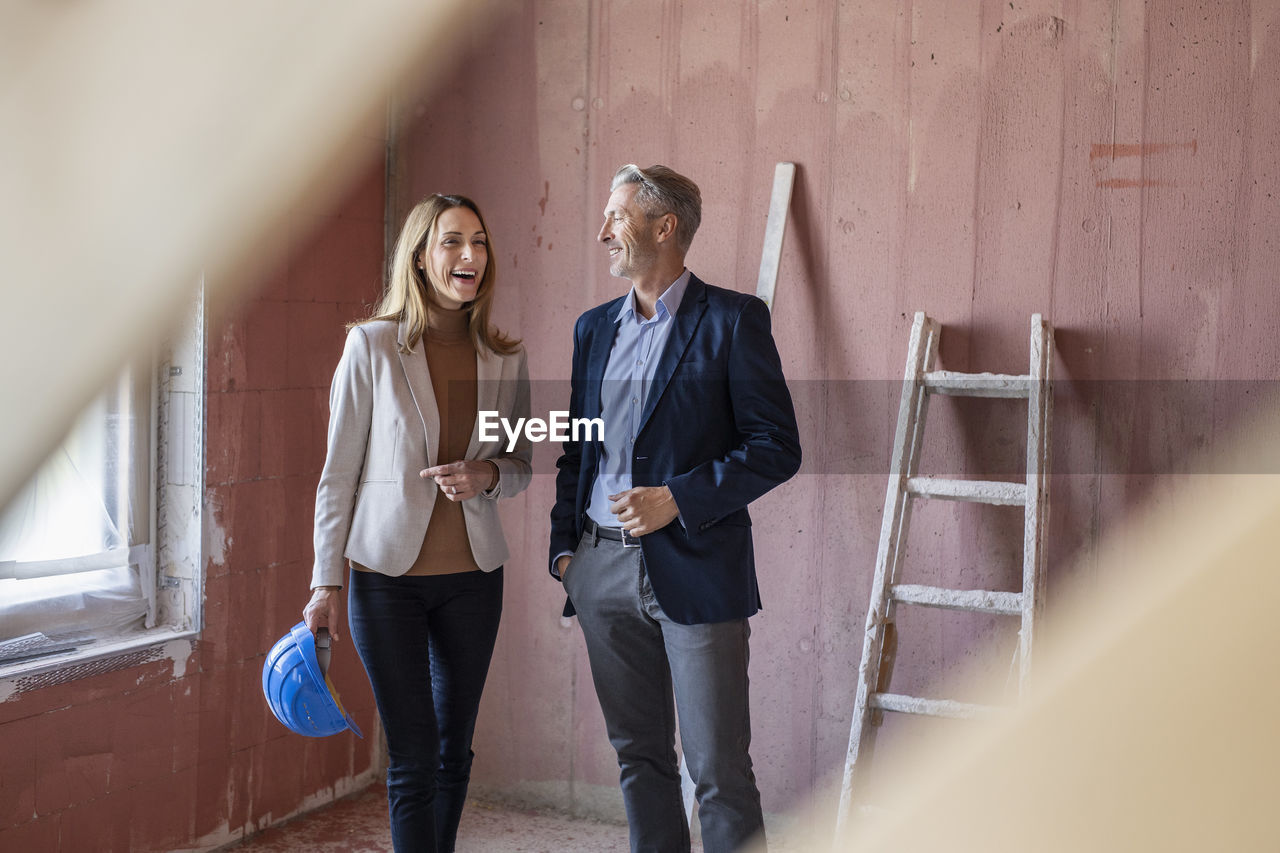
<point x="718" y="428"/>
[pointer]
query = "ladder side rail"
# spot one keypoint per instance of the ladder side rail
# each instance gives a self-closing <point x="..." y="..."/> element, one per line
<point x="886" y="660"/>
<point x="875" y="717"/>
<point x="873" y="633"/>
<point x="1046" y="464"/>
<point x="912" y="463"/>
<point x="879" y="675"/>
<point x="910" y="470"/>
<point x="1046" y="454"/>
<point x="1032" y="529"/>
<point x="906" y="442"/>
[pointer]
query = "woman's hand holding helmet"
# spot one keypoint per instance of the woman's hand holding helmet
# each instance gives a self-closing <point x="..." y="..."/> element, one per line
<point x="324" y="610"/>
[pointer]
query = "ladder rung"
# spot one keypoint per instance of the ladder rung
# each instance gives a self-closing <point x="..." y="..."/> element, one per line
<point x="974" y="491"/>
<point x="973" y="600"/>
<point x="929" y="707"/>
<point x="978" y="384"/>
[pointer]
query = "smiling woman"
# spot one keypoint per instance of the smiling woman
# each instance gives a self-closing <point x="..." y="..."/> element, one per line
<point x="456" y="257"/>
<point x="443" y="235"/>
<point x="406" y="508"/>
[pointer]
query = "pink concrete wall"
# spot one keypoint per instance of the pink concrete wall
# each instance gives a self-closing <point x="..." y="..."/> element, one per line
<point x="1110" y="165"/>
<point x="183" y="753"/>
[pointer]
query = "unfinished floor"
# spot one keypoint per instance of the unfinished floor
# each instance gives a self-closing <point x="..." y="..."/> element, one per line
<point x="358" y="824"/>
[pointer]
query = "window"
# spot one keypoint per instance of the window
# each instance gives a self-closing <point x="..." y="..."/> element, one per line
<point x="99" y="553"/>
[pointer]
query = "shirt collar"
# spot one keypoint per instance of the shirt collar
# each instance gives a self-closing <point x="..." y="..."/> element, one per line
<point x="668" y="302"/>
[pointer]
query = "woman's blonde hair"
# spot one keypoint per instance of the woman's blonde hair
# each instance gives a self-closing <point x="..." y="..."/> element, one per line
<point x="406" y="295"/>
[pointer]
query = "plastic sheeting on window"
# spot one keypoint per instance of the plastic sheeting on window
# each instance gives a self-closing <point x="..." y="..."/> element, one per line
<point x="66" y="565"/>
<point x="97" y="604"/>
<point x="60" y="515"/>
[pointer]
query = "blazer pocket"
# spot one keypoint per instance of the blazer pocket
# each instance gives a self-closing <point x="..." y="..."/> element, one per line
<point x="734" y="519"/>
<point x="708" y="369"/>
<point x="382" y="460"/>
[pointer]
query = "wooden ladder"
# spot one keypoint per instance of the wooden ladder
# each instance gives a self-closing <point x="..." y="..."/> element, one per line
<point x="880" y="637"/>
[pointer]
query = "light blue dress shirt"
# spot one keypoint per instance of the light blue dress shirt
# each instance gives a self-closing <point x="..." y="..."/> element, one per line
<point x="637" y="348"/>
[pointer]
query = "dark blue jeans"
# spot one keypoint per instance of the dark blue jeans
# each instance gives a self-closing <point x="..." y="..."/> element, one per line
<point x="426" y="642"/>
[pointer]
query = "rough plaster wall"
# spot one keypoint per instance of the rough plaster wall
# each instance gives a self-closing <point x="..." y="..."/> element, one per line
<point x="1110" y="164"/>
<point x="182" y="753"/>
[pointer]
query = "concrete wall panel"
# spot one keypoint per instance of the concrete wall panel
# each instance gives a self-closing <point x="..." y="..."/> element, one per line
<point x="1104" y="163"/>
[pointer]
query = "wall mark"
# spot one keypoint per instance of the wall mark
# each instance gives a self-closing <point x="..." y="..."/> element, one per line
<point x="1110" y="152"/>
<point x="1131" y="183"/>
<point x="1102" y="153"/>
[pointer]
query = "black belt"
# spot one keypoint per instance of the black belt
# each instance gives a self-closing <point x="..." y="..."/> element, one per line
<point x="617" y="534"/>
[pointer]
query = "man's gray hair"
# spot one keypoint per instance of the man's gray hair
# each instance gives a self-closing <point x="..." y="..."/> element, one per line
<point x="663" y="190"/>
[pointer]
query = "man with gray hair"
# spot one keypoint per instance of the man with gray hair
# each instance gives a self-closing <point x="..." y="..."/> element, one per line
<point x="650" y="533"/>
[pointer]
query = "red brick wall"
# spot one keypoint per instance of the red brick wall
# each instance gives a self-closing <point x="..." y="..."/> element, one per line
<point x="184" y="753"/>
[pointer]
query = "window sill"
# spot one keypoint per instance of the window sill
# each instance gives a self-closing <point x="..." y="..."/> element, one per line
<point x="102" y="656"/>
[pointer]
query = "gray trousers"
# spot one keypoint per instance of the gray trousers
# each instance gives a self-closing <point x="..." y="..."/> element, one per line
<point x="639" y="657"/>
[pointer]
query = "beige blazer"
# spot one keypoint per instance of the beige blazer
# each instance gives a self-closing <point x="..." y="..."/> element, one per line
<point x="371" y="506"/>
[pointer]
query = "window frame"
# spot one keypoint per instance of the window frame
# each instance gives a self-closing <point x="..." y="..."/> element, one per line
<point x="170" y="564"/>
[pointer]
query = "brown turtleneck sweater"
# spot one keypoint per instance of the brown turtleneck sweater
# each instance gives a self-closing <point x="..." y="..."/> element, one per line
<point x="451" y="359"/>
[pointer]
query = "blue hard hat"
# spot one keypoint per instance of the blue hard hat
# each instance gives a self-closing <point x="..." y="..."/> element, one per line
<point x="298" y="689"/>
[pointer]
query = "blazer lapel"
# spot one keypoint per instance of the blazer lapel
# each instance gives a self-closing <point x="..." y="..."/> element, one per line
<point x="488" y="374"/>
<point x="424" y="398"/>
<point x="601" y="345"/>
<point x="687" y="316"/>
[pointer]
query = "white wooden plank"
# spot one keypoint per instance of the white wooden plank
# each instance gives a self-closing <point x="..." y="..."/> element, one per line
<point x="775" y="229"/>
